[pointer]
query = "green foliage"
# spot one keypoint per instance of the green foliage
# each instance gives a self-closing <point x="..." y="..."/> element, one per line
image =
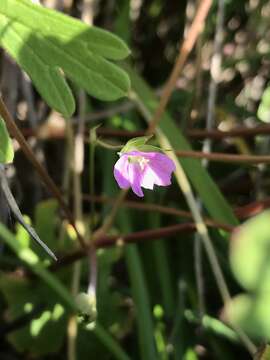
<point x="264" y="107"/>
<point x="46" y="225"/>
<point x="6" y="148"/>
<point x="249" y="257"/>
<point x="50" y="300"/>
<point x="45" y="330"/>
<point x="47" y="44"/>
<point x="156" y="298"/>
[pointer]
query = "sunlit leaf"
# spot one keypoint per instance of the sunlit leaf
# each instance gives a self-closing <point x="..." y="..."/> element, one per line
<point x="263" y="112"/>
<point x="250" y="253"/>
<point x="6" y="148"/>
<point x="44" y="332"/>
<point x="47" y="45"/>
<point x="251" y="313"/>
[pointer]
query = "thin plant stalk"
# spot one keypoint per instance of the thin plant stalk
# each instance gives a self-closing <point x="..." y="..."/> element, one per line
<point x="76" y="164"/>
<point x="215" y="70"/>
<point x="199" y="223"/>
<point x="203" y="232"/>
<point x="92" y="258"/>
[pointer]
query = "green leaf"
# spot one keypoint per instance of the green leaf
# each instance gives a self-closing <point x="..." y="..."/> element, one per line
<point x="6" y="148"/>
<point x="45" y="332"/>
<point x="249" y="258"/>
<point x="46" y="222"/>
<point x="47" y="45"/>
<point x="33" y="262"/>
<point x="250" y="313"/>
<point x="263" y="112"/>
<point x="249" y="253"/>
<point x="54" y="289"/>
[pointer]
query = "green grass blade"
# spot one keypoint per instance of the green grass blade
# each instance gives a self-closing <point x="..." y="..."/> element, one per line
<point x="140" y="296"/>
<point x="6" y="148"/>
<point x="110" y="343"/>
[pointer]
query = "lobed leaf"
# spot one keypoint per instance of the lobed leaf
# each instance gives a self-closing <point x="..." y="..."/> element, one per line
<point x="49" y="45"/>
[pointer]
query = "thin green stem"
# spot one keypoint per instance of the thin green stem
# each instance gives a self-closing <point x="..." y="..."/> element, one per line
<point x="108" y="146"/>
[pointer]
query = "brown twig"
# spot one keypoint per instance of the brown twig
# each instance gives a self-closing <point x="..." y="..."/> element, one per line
<point x="219" y="157"/>
<point x="107" y="113"/>
<point x="252" y="209"/>
<point x="156" y="208"/>
<point x="107" y="241"/>
<point x="47" y="180"/>
<point x="241" y="131"/>
<point x="186" y="48"/>
<point x="224" y="157"/>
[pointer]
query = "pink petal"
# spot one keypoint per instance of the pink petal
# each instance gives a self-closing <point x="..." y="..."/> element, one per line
<point x="158" y="171"/>
<point x="148" y="178"/>
<point x="121" y="172"/>
<point x="163" y="161"/>
<point x="135" y="178"/>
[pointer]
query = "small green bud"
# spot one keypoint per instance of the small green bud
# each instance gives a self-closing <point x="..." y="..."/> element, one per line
<point x="87" y="309"/>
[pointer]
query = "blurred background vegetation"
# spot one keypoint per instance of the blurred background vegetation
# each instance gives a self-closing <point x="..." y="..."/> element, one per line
<point x="156" y="298"/>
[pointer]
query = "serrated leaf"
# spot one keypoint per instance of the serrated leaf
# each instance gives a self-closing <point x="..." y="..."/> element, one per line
<point x="6" y="148"/>
<point x="48" y="44"/>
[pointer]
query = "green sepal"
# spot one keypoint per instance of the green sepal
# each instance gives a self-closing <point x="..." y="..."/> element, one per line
<point x="139" y="144"/>
<point x="150" y="148"/>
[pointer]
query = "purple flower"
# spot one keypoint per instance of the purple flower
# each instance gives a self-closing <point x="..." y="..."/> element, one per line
<point x="137" y="169"/>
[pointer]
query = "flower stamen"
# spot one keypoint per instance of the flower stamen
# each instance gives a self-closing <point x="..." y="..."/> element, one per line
<point x="143" y="162"/>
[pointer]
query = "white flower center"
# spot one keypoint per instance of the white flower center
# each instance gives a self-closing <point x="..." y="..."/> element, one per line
<point x="142" y="161"/>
